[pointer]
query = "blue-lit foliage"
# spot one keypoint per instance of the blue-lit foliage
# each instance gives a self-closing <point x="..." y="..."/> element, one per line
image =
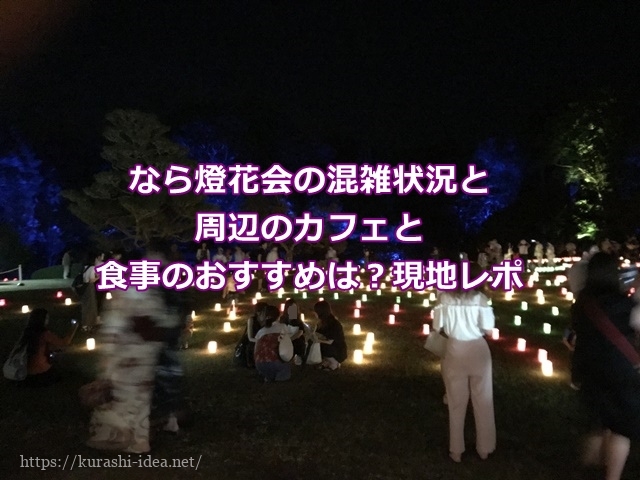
<point x="204" y="145"/>
<point x="29" y="204"/>
<point x="504" y="164"/>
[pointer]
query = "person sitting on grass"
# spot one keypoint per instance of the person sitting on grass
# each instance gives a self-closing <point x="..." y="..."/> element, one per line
<point x="41" y="344"/>
<point x="266" y="355"/>
<point x="290" y="317"/>
<point x="330" y="335"/>
<point x="246" y="347"/>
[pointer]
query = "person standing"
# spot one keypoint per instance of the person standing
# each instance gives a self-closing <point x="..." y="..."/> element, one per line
<point x="260" y="256"/>
<point x="272" y="256"/>
<point x="523" y="252"/>
<point x="538" y="252"/>
<point x="203" y="253"/>
<point x="89" y="299"/>
<point x="238" y="255"/>
<point x="135" y="328"/>
<point x="607" y="322"/>
<point x="66" y="264"/>
<point x="220" y="257"/>
<point x="466" y="317"/>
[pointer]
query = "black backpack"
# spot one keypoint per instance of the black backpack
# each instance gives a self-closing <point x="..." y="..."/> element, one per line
<point x="79" y="285"/>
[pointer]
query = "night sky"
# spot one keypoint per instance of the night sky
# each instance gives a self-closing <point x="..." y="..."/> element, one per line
<point x="419" y="81"/>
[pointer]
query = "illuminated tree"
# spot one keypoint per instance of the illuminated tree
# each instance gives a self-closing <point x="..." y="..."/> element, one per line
<point x="108" y="206"/>
<point x="29" y="205"/>
<point x="204" y="145"/>
<point x="583" y="147"/>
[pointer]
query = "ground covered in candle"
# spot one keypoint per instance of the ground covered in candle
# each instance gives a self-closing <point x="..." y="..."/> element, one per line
<point x="383" y="419"/>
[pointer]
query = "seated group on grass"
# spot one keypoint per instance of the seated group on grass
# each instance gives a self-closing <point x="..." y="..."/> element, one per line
<point x="259" y="346"/>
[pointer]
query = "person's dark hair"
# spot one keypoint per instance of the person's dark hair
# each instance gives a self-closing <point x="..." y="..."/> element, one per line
<point x="284" y="318"/>
<point x="34" y="330"/>
<point x="324" y="312"/>
<point x="260" y="307"/>
<point x="602" y="275"/>
<point x="271" y="315"/>
<point x="322" y="309"/>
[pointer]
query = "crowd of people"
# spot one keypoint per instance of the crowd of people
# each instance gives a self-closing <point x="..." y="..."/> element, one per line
<point x="141" y="332"/>
<point x="259" y="347"/>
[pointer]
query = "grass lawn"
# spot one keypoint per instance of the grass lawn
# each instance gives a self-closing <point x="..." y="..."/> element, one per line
<point x="383" y="419"/>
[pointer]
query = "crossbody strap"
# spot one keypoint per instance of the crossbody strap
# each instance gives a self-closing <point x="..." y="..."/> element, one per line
<point x="609" y="330"/>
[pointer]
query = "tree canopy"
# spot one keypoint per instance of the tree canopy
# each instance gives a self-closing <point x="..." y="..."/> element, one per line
<point x="109" y="207"/>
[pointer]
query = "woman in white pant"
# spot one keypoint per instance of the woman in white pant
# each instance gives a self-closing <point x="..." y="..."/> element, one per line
<point x="466" y="317"/>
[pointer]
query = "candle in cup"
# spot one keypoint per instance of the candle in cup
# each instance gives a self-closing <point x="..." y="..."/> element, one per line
<point x="542" y="355"/>
<point x="357" y="356"/>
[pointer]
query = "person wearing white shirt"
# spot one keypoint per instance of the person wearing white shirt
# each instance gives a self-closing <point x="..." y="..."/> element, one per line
<point x="272" y="256"/>
<point x="465" y="317"/>
<point x="238" y="255"/>
<point x="220" y="256"/>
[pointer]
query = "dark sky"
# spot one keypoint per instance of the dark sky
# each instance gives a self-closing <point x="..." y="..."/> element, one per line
<point x="409" y="80"/>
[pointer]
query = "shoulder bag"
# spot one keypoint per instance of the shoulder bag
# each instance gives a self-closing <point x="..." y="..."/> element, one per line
<point x="436" y="342"/>
<point x="15" y="368"/>
<point x="285" y="347"/>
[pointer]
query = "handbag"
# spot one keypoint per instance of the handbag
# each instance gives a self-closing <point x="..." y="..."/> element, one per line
<point x="285" y="347"/>
<point x="314" y="356"/>
<point x="15" y="368"/>
<point x="96" y="393"/>
<point x="436" y="342"/>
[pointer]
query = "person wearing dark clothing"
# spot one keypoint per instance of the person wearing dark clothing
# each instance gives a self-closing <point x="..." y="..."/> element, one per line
<point x="291" y="318"/>
<point x="331" y="337"/>
<point x="610" y="381"/>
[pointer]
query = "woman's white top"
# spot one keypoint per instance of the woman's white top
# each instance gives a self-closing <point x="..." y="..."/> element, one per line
<point x="463" y="315"/>
<point x="89" y="275"/>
